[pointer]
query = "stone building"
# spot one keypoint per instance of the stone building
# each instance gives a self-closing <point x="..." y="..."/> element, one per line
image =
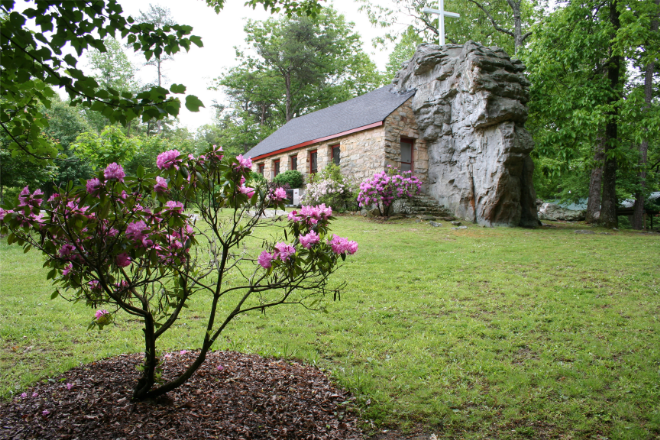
<point x="363" y="136"/>
<point x="454" y="115"/>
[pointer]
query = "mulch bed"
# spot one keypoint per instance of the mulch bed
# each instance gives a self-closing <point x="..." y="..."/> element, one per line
<point x="250" y="397"/>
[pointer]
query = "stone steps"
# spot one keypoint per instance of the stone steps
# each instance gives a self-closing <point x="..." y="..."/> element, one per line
<point x="422" y="205"/>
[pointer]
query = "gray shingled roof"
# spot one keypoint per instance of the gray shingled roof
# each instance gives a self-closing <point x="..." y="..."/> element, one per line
<point x="357" y="112"/>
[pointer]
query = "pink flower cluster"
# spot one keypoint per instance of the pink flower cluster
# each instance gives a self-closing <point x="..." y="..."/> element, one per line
<point x="114" y="171"/>
<point x="161" y="185"/>
<point x="27" y="199"/>
<point x="341" y="245"/>
<point x="282" y="252"/>
<point x="278" y="195"/>
<point x="384" y="189"/>
<point x="307" y="241"/>
<point x="168" y="159"/>
<point x="311" y="215"/>
<point x="244" y="163"/>
<point x="100" y="314"/>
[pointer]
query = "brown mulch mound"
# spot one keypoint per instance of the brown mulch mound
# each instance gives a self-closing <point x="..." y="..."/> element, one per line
<point x="249" y="397"/>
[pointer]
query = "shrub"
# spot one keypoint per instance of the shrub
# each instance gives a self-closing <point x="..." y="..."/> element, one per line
<point x="291" y="177"/>
<point x="104" y="247"/>
<point x="385" y="187"/>
<point x="331" y="188"/>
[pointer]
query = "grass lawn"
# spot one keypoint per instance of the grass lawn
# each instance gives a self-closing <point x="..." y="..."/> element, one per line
<point x="478" y="333"/>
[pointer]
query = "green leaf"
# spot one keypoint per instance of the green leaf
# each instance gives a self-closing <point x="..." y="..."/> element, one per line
<point x="193" y="103"/>
<point x="178" y="88"/>
<point x="54" y="294"/>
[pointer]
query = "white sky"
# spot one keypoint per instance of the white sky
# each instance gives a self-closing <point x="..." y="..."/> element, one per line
<point x="220" y="34"/>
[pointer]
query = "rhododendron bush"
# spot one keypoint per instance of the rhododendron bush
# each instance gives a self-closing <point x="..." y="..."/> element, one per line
<point x="104" y="246"/>
<point x="385" y="187"/>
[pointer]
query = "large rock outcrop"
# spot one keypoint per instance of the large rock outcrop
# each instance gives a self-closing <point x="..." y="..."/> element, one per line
<point x="470" y="109"/>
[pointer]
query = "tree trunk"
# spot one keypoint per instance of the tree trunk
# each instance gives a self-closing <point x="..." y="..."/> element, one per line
<point x="517" y="26"/>
<point x="146" y="382"/>
<point x="608" y="217"/>
<point x="595" y="183"/>
<point x="287" y="82"/>
<point x="638" y="213"/>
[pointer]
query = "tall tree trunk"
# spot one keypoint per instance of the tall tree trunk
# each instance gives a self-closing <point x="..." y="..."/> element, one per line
<point x="517" y="26"/>
<point x="287" y="83"/>
<point x="595" y="183"/>
<point x="608" y="217"/>
<point x="638" y="213"/>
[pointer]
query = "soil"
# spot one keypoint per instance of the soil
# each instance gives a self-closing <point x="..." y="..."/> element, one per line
<point x="232" y="395"/>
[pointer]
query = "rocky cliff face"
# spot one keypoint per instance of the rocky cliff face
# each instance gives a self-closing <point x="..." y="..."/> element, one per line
<point x="470" y="109"/>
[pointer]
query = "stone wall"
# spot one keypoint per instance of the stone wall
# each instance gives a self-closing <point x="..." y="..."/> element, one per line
<point x="403" y="124"/>
<point x="364" y="153"/>
<point x="470" y="110"/>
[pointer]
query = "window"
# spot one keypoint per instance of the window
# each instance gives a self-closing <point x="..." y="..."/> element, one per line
<point x="261" y="168"/>
<point x="276" y="167"/>
<point x="313" y="164"/>
<point x="334" y="150"/>
<point x="406" y="155"/>
<point x="294" y="162"/>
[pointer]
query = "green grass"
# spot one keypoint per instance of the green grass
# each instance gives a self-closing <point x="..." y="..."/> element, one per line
<point x="479" y="333"/>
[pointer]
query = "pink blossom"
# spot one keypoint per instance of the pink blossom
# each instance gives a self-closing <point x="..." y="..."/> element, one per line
<point x="243" y="162"/>
<point x="67" y="270"/>
<point x="265" y="259"/>
<point x="216" y="153"/>
<point x="69" y="386"/>
<point x="135" y="230"/>
<point x="284" y="251"/>
<point x="161" y="185"/>
<point x="114" y="171"/>
<point x="45" y="412"/>
<point x="3" y="213"/>
<point x="341" y="245"/>
<point x="278" y="195"/>
<point x="183" y="352"/>
<point x="27" y="199"/>
<point x="174" y="206"/>
<point x="294" y="217"/>
<point x="35" y="395"/>
<point x="23" y="395"/>
<point x="310" y="239"/>
<point x="168" y="159"/>
<point x="246" y="190"/>
<point x="123" y="260"/>
<point x="100" y="314"/>
<point x="220" y="368"/>
<point x="168" y="355"/>
<point x="93" y="186"/>
<point x="94" y="285"/>
<point x="66" y="250"/>
<point x="24" y="197"/>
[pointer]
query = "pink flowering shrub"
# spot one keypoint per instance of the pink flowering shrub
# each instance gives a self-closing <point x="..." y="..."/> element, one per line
<point x="387" y="186"/>
<point x="130" y="245"/>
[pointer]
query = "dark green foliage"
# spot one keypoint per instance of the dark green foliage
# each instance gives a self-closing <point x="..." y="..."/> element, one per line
<point x="293" y="178"/>
<point x="32" y="61"/>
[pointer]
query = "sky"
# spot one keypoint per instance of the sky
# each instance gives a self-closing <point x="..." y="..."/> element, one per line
<point x="220" y="34"/>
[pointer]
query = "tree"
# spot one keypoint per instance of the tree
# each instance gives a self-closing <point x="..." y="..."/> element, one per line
<point x="112" y="69"/>
<point x="649" y="56"/>
<point x="502" y="23"/>
<point x="585" y="107"/>
<point x="32" y="60"/>
<point x="105" y="248"/>
<point x="112" y="145"/>
<point x="159" y="17"/>
<point x="312" y="62"/>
